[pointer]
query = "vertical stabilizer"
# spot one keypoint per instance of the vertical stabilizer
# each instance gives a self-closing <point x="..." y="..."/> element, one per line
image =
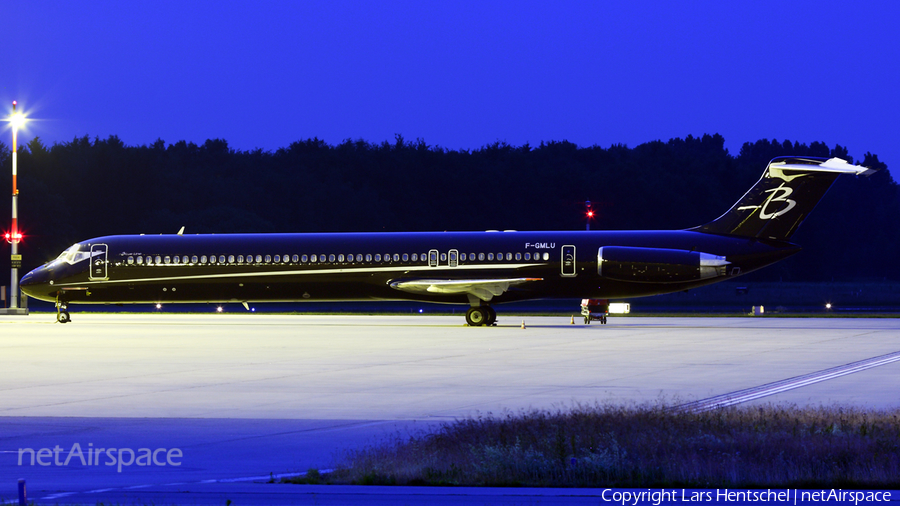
<point x="784" y="196"/>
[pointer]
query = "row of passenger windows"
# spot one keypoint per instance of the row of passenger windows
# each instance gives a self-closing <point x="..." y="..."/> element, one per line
<point x="332" y="258"/>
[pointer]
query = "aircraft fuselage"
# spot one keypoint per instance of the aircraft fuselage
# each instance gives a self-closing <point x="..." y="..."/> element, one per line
<point x="364" y="266"/>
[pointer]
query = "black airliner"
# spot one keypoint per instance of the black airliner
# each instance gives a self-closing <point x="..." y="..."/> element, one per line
<point x="475" y="268"/>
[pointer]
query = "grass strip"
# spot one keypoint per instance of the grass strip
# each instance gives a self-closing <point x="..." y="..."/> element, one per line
<point x="772" y="446"/>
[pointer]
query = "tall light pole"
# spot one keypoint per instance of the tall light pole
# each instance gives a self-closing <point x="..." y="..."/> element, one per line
<point x="14" y="236"/>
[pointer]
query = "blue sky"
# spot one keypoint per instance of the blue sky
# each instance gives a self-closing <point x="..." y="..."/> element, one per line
<point x="457" y="74"/>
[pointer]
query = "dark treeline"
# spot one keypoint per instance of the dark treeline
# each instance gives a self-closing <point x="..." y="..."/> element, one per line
<point x="86" y="188"/>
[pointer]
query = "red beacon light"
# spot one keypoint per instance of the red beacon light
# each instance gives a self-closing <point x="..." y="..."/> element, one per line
<point x="10" y="238"/>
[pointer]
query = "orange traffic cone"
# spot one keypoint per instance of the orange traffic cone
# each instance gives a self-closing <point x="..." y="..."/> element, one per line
<point x="523" y="324"/>
<point x="573" y="320"/>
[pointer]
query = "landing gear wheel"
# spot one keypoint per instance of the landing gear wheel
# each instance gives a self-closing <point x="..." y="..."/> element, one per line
<point x="476" y="316"/>
<point x="62" y="311"/>
<point x="492" y="316"/>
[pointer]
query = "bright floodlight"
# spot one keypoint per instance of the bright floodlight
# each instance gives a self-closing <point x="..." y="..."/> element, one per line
<point x="17" y="120"/>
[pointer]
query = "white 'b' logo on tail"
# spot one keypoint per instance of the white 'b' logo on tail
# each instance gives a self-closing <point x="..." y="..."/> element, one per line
<point x="779" y="194"/>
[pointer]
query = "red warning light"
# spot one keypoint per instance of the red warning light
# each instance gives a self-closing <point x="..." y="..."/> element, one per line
<point x="10" y="238"/>
<point x="590" y="214"/>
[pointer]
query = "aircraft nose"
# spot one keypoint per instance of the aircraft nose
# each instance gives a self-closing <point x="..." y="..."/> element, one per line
<point x="33" y="277"/>
<point x="36" y="283"/>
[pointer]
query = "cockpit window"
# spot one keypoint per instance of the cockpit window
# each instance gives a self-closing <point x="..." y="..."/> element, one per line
<point x="72" y="255"/>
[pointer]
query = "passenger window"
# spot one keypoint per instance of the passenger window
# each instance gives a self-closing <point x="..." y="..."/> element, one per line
<point x="221" y="259"/>
<point x="296" y="258"/>
<point x="359" y="257"/>
<point x="396" y="257"/>
<point x="415" y="257"/>
<point x="194" y="259"/>
<point x="176" y="260"/>
<point x="184" y="259"/>
<point x="490" y="256"/>
<point x="350" y="257"/>
<point x="499" y="256"/>
<point x="368" y="257"/>
<point x="140" y="260"/>
<point x="314" y="259"/>
<point x="546" y="256"/>
<point x="158" y="259"/>
<point x="240" y="259"/>
<point x="508" y="257"/>
<point x="462" y="257"/>
<point x="481" y="257"/>
<point x="231" y="259"/>
<point x="277" y="258"/>
<point x="406" y="257"/>
<point x="378" y="258"/>
<point x="331" y="258"/>
<point x="203" y="259"/>
<point x="518" y="256"/>
<point x="443" y="257"/>
<point x="285" y="258"/>
<point x="304" y="258"/>
<point x="340" y="258"/>
<point x="527" y="256"/>
<point x="130" y="260"/>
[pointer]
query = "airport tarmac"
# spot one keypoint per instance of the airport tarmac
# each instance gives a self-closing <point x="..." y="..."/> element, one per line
<point x="245" y="395"/>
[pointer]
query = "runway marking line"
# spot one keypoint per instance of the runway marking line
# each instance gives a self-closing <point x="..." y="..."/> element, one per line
<point x="750" y="394"/>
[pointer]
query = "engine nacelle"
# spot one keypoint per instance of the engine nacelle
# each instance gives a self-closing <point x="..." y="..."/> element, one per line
<point x="657" y="265"/>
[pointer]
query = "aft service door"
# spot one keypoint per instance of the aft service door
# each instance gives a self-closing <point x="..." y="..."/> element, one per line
<point x="568" y="261"/>
<point x="98" y="262"/>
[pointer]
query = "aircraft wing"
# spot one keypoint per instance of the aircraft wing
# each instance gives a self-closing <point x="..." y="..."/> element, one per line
<point x="484" y="289"/>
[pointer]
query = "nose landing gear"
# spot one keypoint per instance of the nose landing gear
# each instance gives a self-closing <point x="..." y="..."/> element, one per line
<point x="62" y="311"/>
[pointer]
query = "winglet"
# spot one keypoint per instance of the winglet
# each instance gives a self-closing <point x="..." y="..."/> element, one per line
<point x="181" y="232"/>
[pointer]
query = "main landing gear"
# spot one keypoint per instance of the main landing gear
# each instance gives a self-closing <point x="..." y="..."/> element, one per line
<point x="62" y="311"/>
<point x="481" y="316"/>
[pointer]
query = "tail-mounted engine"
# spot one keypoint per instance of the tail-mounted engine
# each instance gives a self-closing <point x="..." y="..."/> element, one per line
<point x="657" y="265"/>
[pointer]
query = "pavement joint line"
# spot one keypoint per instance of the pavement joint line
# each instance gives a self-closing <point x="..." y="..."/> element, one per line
<point x="60" y="495"/>
<point x="753" y="393"/>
